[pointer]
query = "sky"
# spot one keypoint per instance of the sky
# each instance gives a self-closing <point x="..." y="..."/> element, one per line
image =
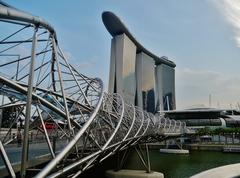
<point x="201" y="36"/>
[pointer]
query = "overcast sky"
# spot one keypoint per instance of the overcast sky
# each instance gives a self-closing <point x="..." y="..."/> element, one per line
<point x="201" y="36"/>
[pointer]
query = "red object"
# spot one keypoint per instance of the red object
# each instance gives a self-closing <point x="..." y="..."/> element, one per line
<point x="49" y="125"/>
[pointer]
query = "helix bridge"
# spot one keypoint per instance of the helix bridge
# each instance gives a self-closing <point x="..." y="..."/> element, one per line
<point x="38" y="85"/>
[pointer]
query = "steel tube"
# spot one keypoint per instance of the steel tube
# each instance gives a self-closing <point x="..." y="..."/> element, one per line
<point x="74" y="77"/>
<point x="45" y="132"/>
<point x="6" y="161"/>
<point x="18" y="15"/>
<point x="61" y="85"/>
<point x="72" y="143"/>
<point x="28" y="105"/>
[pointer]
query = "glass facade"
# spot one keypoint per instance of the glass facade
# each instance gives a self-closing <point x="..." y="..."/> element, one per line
<point x="203" y="122"/>
<point x="165" y="78"/>
<point x="138" y="80"/>
<point x="122" y="78"/>
<point x="145" y="82"/>
<point x="128" y="70"/>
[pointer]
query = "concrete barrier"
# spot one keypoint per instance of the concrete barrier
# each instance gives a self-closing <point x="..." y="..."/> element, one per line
<point x="228" y="171"/>
<point x="125" y="173"/>
<point x="174" y="151"/>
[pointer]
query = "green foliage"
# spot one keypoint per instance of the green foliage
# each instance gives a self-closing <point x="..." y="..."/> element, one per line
<point x="218" y="131"/>
<point x="204" y="131"/>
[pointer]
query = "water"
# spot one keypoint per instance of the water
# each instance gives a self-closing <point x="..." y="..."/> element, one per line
<point x="172" y="165"/>
<point x="183" y="166"/>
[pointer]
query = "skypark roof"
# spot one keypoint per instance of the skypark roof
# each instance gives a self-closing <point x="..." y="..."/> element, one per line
<point x="116" y="27"/>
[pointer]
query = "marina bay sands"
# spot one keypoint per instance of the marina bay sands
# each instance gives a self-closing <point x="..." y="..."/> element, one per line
<point x="56" y="121"/>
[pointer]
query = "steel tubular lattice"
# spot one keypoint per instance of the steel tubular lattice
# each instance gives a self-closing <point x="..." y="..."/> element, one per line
<point x="51" y="109"/>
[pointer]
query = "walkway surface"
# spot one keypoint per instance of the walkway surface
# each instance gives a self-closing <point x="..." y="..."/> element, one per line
<point x="228" y="171"/>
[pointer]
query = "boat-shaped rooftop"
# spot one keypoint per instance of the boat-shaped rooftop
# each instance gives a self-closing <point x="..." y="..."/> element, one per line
<point x="116" y="27"/>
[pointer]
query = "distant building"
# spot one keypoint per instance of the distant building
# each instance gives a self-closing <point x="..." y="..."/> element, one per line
<point x="141" y="77"/>
<point x="146" y="84"/>
<point x="206" y="117"/>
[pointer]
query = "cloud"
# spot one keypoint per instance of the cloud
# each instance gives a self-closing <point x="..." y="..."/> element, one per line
<point x="68" y="55"/>
<point x="80" y="64"/>
<point x="85" y="66"/>
<point x="193" y="87"/>
<point x="231" y="10"/>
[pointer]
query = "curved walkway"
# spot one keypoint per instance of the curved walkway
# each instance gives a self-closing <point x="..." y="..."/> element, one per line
<point x="228" y="171"/>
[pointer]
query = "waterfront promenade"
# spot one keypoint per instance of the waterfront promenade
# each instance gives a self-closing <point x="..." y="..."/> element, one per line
<point x="228" y="171"/>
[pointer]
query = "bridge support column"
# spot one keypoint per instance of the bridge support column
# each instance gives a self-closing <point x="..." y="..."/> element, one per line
<point x="144" y="158"/>
<point x="174" y="151"/>
<point x="126" y="173"/>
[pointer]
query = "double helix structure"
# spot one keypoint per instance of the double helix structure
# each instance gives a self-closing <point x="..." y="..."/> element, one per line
<point x="53" y="113"/>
